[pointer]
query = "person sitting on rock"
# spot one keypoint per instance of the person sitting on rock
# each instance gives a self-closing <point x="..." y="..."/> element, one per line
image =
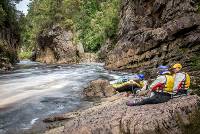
<point x="160" y="89"/>
<point x="181" y="80"/>
<point x="130" y="84"/>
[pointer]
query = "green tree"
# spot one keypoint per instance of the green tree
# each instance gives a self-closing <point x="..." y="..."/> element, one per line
<point x="93" y="21"/>
<point x="9" y="19"/>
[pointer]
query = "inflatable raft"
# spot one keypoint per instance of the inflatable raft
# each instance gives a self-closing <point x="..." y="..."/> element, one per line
<point x="127" y="86"/>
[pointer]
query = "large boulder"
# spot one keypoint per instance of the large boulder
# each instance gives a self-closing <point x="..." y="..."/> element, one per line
<point x="114" y="117"/>
<point x="55" y="45"/>
<point x="156" y="32"/>
<point x="98" y="88"/>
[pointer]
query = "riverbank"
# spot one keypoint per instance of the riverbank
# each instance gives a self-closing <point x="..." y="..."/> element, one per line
<point x="114" y="117"/>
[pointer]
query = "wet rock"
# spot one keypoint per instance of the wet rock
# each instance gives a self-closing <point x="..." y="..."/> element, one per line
<point x="98" y="88"/>
<point x="88" y="57"/>
<point x="55" y="45"/>
<point x="61" y="117"/>
<point x="156" y="32"/>
<point x="114" y="117"/>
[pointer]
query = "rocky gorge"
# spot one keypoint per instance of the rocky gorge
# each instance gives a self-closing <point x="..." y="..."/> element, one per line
<point x="150" y="33"/>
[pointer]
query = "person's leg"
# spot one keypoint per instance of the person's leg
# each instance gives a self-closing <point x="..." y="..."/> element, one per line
<point x="157" y="98"/>
<point x="163" y="97"/>
<point x="150" y="100"/>
<point x="182" y="92"/>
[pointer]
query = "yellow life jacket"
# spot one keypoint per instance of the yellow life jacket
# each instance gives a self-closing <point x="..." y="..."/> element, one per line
<point x="169" y="83"/>
<point x="186" y="82"/>
<point x="174" y="75"/>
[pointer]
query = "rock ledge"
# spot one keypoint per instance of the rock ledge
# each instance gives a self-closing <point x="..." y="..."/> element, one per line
<point x="114" y="117"/>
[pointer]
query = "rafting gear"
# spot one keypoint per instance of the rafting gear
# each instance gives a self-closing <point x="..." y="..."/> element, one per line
<point x="185" y="83"/>
<point x="169" y="83"/>
<point x="163" y="70"/>
<point x="177" y="65"/>
<point x="127" y="86"/>
<point x="181" y="81"/>
<point x="161" y="67"/>
<point x="130" y="83"/>
<point x="163" y="83"/>
<point x="141" y="76"/>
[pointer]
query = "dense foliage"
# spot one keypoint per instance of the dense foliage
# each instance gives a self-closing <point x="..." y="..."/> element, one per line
<point x="93" y="21"/>
<point x="9" y="29"/>
<point x="9" y="16"/>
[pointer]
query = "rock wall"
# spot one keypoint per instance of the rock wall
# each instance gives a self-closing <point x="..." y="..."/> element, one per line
<point x="9" y="43"/>
<point x="104" y="50"/>
<point x="55" y="45"/>
<point x="154" y="32"/>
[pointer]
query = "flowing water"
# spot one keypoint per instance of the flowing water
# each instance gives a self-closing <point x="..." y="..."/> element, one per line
<point x="33" y="91"/>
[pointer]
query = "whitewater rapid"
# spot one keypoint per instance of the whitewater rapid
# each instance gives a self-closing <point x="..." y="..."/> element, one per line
<point x="33" y="90"/>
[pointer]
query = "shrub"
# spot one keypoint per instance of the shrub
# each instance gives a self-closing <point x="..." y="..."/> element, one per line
<point x="24" y="55"/>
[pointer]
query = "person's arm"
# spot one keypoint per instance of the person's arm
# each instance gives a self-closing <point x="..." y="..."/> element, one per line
<point x="157" y="83"/>
<point x="145" y="85"/>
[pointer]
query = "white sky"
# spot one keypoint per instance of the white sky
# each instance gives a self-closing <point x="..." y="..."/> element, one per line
<point x="23" y="6"/>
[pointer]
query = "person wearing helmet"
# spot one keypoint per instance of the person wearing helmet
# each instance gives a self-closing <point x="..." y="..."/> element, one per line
<point x="160" y="89"/>
<point x="181" y="80"/>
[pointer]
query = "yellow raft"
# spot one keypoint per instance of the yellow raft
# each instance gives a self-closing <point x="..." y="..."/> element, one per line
<point x="126" y="86"/>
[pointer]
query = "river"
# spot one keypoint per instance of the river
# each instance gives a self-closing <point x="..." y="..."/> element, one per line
<point x="33" y="91"/>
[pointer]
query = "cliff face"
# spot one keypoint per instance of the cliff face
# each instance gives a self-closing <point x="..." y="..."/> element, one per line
<point x="156" y="32"/>
<point x="9" y="42"/>
<point x="55" y="45"/>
